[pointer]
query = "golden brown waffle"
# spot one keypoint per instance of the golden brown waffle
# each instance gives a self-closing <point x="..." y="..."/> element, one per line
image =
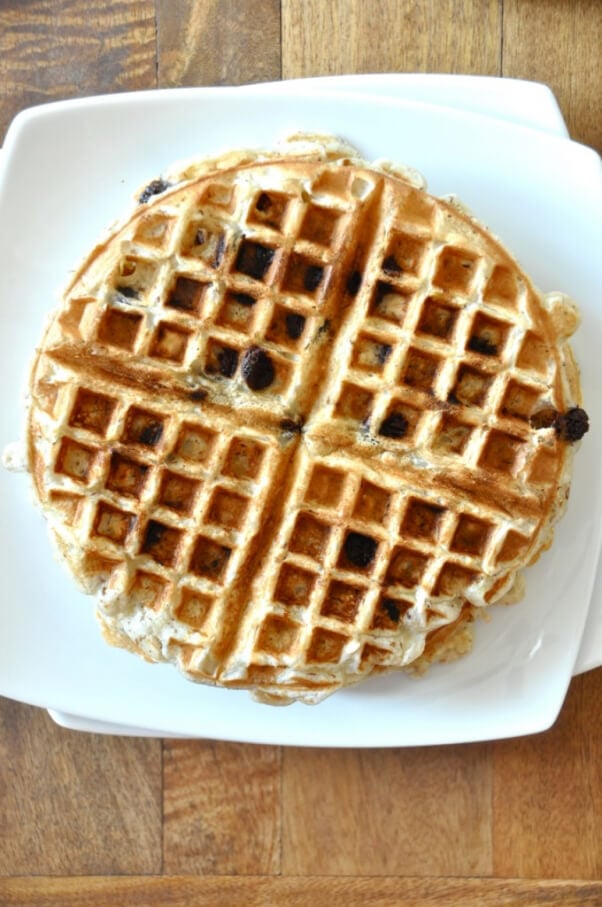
<point x="297" y="420"/>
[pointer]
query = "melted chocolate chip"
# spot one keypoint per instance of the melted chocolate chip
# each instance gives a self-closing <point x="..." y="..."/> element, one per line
<point x="383" y="351"/>
<point x="154" y="533"/>
<point x="391" y="609"/>
<point x="354" y="282"/>
<point x="197" y="396"/>
<point x="572" y="425"/>
<point x="154" y="188"/>
<point x="394" y="426"/>
<point x="128" y="292"/>
<point x="359" y="549"/>
<point x="543" y="418"/>
<point x="151" y="434"/>
<point x="219" y="251"/>
<point x="291" y="427"/>
<point x="244" y="299"/>
<point x="264" y="202"/>
<point x="294" y="325"/>
<point x="483" y="346"/>
<point x="257" y="369"/>
<point x="185" y="294"/>
<point x="227" y="360"/>
<point x="254" y="259"/>
<point x="324" y="328"/>
<point x="312" y="277"/>
<point x="391" y="266"/>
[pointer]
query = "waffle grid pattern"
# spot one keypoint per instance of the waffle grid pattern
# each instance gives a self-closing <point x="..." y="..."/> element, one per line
<point x="424" y="355"/>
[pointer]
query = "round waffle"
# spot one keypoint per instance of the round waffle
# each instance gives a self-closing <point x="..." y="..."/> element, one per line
<point x="296" y="421"/>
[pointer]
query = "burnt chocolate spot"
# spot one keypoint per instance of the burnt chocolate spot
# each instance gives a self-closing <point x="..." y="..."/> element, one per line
<point x="383" y="351"/>
<point x="354" y="282"/>
<point x="220" y="248"/>
<point x="544" y="418"/>
<point x="312" y="277"/>
<point x="254" y="259"/>
<point x="572" y="425"/>
<point x="244" y="299"/>
<point x="391" y="265"/>
<point x="227" y="360"/>
<point x="483" y="346"/>
<point x="151" y="434"/>
<point x="257" y="369"/>
<point x="394" y="426"/>
<point x="128" y="292"/>
<point x="155" y="187"/>
<point x="291" y="427"/>
<point x="359" y="549"/>
<point x="391" y="609"/>
<point x="294" y="325"/>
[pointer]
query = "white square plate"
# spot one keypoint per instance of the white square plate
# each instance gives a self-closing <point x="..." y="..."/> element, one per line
<point x="69" y="170"/>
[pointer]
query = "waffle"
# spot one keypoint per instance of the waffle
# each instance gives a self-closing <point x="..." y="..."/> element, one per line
<point x="297" y="421"/>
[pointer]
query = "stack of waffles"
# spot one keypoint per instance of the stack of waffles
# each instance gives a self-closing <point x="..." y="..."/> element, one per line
<point x="296" y="421"/>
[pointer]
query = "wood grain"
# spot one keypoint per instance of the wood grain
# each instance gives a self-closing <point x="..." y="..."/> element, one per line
<point x="343" y="36"/>
<point x="548" y="793"/>
<point x="75" y="804"/>
<point x="478" y="826"/>
<point x="57" y="49"/>
<point x="382" y="812"/>
<point x="559" y="43"/>
<point x="296" y="892"/>
<point x="221" y="808"/>
<point x="218" y="42"/>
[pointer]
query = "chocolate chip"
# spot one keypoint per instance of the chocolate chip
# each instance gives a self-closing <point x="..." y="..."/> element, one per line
<point x="391" y="609"/>
<point x="354" y="282"/>
<point x="312" y="278"/>
<point x="197" y="396"/>
<point x="244" y="299"/>
<point x="254" y="259"/>
<point x="383" y="351"/>
<point x="200" y="237"/>
<point x="359" y="549"/>
<point x="257" y="369"/>
<point x="483" y="346"/>
<point x="572" y="425"/>
<point x="294" y="325"/>
<point x="394" y="426"/>
<point x="227" y="360"/>
<point x="151" y="434"/>
<point x="155" y="187"/>
<point x="390" y="265"/>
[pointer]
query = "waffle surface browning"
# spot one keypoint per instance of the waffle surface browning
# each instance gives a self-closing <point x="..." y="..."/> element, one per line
<point x="297" y="420"/>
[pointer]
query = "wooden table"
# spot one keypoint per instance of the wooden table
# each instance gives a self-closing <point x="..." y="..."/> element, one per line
<point x="115" y="821"/>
